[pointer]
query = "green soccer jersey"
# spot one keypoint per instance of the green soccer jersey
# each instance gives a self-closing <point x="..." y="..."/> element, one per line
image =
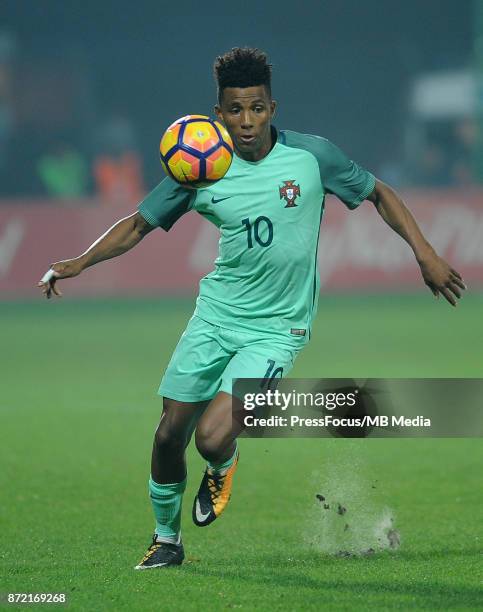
<point x="268" y="214"/>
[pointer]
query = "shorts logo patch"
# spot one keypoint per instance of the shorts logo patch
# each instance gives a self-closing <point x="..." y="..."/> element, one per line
<point x="289" y="192"/>
<point x="298" y="332"/>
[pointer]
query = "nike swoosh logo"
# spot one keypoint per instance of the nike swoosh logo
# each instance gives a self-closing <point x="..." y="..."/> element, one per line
<point x="215" y="201"/>
<point x="199" y="515"/>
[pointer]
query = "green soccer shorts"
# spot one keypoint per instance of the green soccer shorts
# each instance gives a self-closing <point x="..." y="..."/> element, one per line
<point x="208" y="358"/>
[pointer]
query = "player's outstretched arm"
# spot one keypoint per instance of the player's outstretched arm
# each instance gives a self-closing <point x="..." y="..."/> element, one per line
<point x="437" y="274"/>
<point x="121" y="237"/>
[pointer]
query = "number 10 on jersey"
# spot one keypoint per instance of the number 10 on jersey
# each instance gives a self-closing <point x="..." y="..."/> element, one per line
<point x="262" y="226"/>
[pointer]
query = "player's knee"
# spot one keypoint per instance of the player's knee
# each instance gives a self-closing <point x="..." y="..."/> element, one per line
<point x="168" y="440"/>
<point x="211" y="444"/>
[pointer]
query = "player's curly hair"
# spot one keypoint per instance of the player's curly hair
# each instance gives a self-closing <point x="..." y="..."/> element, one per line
<point x="242" y="67"/>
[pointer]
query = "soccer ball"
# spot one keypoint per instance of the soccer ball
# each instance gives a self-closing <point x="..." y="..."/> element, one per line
<point x="196" y="151"/>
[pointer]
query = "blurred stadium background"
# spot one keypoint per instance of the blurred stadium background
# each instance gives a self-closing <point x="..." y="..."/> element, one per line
<point x="86" y="90"/>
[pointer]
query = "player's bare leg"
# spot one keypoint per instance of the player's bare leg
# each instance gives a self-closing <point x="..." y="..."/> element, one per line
<point x="216" y="442"/>
<point x="168" y="480"/>
<point x="173" y="434"/>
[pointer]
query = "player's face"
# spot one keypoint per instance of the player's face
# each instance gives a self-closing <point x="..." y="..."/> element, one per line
<point x="247" y="113"/>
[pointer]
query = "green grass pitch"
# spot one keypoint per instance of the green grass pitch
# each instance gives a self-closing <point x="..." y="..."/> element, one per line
<point x="78" y="410"/>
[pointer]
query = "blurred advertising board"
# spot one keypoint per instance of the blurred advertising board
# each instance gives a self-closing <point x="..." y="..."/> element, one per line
<point x="357" y="250"/>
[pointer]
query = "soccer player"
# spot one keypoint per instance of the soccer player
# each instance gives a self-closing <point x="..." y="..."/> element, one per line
<point x="255" y="310"/>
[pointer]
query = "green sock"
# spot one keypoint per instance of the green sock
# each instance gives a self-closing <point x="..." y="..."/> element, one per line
<point x="166" y="500"/>
<point x="220" y="467"/>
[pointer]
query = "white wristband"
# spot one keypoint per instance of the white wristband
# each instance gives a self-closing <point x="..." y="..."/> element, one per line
<point x="47" y="276"/>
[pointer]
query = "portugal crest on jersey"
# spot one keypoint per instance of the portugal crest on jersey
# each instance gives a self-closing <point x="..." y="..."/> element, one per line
<point x="289" y="192"/>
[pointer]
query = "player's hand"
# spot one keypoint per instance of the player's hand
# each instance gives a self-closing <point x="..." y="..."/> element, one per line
<point x="442" y="279"/>
<point x="60" y="269"/>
